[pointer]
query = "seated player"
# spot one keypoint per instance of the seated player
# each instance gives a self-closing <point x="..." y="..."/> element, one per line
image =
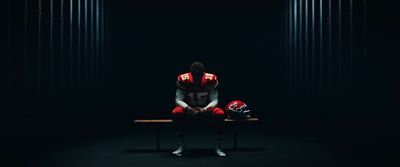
<point x="196" y="96"/>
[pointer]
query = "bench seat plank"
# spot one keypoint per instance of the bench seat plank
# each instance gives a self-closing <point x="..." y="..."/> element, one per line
<point x="244" y="120"/>
<point x="170" y="120"/>
<point x="153" y="120"/>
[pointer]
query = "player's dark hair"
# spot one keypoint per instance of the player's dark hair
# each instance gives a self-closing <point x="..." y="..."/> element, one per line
<point x="197" y="68"/>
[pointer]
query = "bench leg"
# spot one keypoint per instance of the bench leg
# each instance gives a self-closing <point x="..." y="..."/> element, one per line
<point x="157" y="138"/>
<point x="234" y="137"/>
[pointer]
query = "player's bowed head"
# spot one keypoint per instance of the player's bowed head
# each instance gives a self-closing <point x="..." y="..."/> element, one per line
<point x="197" y="70"/>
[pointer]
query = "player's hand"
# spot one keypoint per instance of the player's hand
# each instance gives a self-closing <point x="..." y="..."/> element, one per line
<point x="191" y="111"/>
<point x="200" y="109"/>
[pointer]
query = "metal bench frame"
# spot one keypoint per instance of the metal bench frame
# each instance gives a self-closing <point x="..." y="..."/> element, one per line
<point x="168" y="121"/>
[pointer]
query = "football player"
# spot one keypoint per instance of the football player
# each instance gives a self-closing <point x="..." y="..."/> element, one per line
<point x="197" y="95"/>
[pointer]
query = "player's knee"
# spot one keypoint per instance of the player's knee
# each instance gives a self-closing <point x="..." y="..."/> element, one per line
<point x="218" y="112"/>
<point x="177" y="111"/>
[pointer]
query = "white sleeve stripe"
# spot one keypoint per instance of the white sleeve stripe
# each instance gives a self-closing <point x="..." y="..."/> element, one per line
<point x="213" y="99"/>
<point x="180" y="96"/>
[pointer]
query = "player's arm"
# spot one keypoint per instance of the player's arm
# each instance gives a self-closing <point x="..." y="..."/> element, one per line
<point x="179" y="100"/>
<point x="213" y="93"/>
<point x="179" y="97"/>
<point x="213" y="99"/>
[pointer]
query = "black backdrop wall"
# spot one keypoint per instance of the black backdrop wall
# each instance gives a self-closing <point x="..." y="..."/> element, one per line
<point x="125" y="57"/>
<point x="240" y="43"/>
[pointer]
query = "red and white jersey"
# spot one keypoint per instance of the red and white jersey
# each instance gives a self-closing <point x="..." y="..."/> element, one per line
<point x="197" y="95"/>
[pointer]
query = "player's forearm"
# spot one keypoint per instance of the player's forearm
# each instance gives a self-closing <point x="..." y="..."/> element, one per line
<point x="212" y="104"/>
<point x="180" y="95"/>
<point x="213" y="99"/>
<point x="181" y="103"/>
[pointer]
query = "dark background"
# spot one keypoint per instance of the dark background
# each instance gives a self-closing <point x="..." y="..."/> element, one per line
<point x="148" y="44"/>
<point x="159" y="42"/>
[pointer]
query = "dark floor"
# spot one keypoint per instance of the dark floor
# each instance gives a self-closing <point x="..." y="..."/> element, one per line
<point x="96" y="140"/>
<point x="136" y="146"/>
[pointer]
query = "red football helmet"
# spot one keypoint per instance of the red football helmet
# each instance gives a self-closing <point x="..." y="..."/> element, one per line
<point x="237" y="109"/>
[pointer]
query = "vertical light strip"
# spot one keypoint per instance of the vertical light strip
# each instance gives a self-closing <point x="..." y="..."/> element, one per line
<point x="306" y="70"/>
<point x="340" y="45"/>
<point x="61" y="44"/>
<point x="51" y="73"/>
<point x="290" y="66"/>
<point x="330" y="45"/>
<point x="313" y="45"/>
<point x="295" y="48"/>
<point x="85" y="61"/>
<point x="92" y="54"/>
<point x="71" y="39"/>
<point x="97" y="41"/>
<point x="321" y="43"/>
<point x="79" y="29"/>
<point x="94" y="35"/>
<point x="301" y="54"/>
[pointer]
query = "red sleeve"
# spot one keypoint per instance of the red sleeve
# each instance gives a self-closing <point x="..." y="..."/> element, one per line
<point x="183" y="80"/>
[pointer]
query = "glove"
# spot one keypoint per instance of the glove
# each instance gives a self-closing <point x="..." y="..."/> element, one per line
<point x="200" y="109"/>
<point x="191" y="111"/>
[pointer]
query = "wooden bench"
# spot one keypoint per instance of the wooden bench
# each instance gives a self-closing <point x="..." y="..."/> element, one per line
<point x="233" y="122"/>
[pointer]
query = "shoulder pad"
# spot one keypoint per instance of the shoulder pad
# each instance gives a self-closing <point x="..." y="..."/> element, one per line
<point x="183" y="80"/>
<point x="211" y="79"/>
